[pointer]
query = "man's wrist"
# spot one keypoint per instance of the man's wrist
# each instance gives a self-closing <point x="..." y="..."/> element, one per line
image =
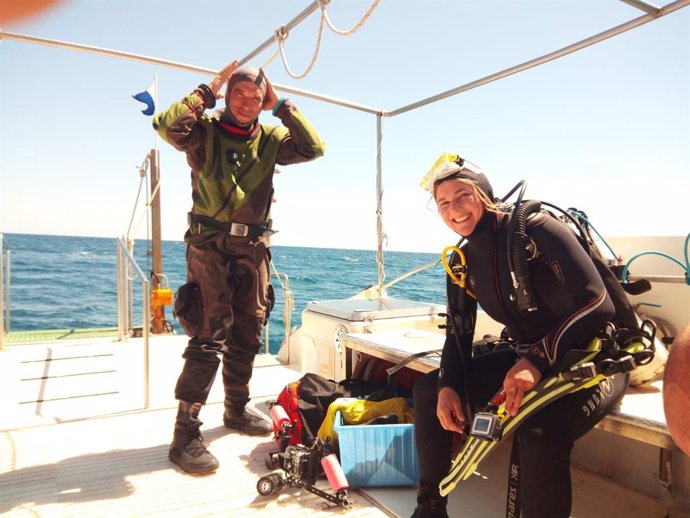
<point x="207" y="95"/>
<point x="280" y="102"/>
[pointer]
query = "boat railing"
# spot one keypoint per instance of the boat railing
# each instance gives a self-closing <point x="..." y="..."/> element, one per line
<point x="127" y="272"/>
<point x="4" y="289"/>
<point x="288" y="307"/>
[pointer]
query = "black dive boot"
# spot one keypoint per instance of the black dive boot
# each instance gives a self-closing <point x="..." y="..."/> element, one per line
<point x="187" y="449"/>
<point x="429" y="503"/>
<point x="245" y="421"/>
<point x="236" y="415"/>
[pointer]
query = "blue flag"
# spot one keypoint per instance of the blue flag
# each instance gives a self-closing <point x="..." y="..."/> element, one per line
<point x="147" y="97"/>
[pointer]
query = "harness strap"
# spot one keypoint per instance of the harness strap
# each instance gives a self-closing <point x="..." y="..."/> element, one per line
<point x="392" y="370"/>
<point x="638" y="349"/>
<point x="638" y="346"/>
<point x="232" y="228"/>
<point x="391" y="388"/>
<point x="477" y="448"/>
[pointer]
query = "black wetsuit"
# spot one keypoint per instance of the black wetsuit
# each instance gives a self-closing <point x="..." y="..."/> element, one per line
<point x="573" y="305"/>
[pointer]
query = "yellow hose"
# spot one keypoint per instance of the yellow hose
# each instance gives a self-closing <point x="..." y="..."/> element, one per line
<point x="461" y="281"/>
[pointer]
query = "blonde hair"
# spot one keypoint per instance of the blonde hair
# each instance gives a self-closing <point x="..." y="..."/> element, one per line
<point x="488" y="203"/>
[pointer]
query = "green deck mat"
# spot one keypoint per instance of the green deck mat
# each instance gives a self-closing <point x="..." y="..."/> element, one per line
<point x="15" y="337"/>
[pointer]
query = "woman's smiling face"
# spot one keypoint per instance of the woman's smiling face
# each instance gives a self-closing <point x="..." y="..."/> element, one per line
<point x="459" y="206"/>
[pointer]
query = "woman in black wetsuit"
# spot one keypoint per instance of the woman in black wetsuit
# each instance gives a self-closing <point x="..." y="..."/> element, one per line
<point x="571" y="305"/>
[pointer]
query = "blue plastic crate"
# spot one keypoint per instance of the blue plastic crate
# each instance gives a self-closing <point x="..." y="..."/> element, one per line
<point x="377" y="455"/>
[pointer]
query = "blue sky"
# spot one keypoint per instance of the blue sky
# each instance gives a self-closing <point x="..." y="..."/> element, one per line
<point x="606" y="130"/>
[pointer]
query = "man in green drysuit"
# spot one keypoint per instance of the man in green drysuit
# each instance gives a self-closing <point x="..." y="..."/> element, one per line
<point x="228" y="296"/>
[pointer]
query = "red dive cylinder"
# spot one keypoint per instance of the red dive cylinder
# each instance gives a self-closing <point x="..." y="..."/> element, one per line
<point x="334" y="472"/>
<point x="279" y="416"/>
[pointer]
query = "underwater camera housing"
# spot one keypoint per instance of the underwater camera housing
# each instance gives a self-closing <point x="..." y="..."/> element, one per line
<point x="487" y="425"/>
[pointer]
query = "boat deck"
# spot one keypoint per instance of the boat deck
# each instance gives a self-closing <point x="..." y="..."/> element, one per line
<point x="78" y="443"/>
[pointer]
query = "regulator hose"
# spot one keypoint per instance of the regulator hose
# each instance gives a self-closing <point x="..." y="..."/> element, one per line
<point x="517" y="254"/>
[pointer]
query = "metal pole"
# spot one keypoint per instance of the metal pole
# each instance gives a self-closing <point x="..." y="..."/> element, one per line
<point x="663" y="11"/>
<point x="129" y="285"/>
<point x="128" y="258"/>
<point x="173" y="64"/>
<point x="286" y="28"/>
<point x="120" y="293"/>
<point x="643" y="6"/>
<point x="379" y="206"/>
<point x="158" y="311"/>
<point x="146" y="317"/>
<point x="670" y="279"/>
<point x="545" y="58"/>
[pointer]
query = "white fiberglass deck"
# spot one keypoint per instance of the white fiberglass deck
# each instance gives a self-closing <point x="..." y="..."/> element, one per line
<point x="85" y="447"/>
<point x="104" y="456"/>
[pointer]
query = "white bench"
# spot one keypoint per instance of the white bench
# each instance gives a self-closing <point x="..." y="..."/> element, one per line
<point x="640" y="415"/>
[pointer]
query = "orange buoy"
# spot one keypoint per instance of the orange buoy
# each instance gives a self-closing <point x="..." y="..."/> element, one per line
<point x="677" y="390"/>
<point x="14" y="10"/>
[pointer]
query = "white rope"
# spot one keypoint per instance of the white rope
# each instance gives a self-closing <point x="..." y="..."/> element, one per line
<point x="153" y="196"/>
<point x="410" y="273"/>
<point x="139" y="223"/>
<point x="281" y="35"/>
<point x="130" y="276"/>
<point x="143" y="174"/>
<point x="275" y="272"/>
<point x="270" y="60"/>
<point x="288" y="302"/>
<point x="134" y="210"/>
<point x="145" y="212"/>
<point x="289" y="305"/>
<point x="356" y="27"/>
<point x="380" y="233"/>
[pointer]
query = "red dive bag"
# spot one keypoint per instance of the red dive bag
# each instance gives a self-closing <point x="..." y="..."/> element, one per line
<point x="306" y="402"/>
<point x="288" y="400"/>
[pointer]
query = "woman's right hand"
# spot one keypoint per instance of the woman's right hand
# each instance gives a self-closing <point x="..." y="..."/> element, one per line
<point x="449" y="410"/>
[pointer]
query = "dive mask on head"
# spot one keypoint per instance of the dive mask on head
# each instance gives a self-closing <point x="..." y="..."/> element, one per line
<point x="451" y="164"/>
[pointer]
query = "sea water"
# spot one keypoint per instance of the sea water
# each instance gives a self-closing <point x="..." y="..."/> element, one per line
<point x="64" y="282"/>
